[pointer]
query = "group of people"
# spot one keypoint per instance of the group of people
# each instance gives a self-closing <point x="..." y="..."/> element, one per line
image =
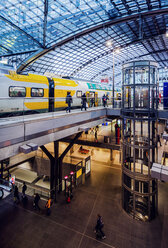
<point x="16" y="194"/>
<point x="99" y="224"/>
<point x="69" y="102"/>
<point x="35" y="201"/>
<point x="84" y="101"/>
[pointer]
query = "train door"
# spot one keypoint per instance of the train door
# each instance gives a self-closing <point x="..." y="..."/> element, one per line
<point x="92" y="98"/>
<point x="96" y="99"/>
<point x="51" y="95"/>
<point x="88" y="97"/>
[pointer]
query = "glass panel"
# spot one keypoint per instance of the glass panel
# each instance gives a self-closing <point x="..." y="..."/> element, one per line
<point x="37" y="92"/>
<point x="128" y="97"/>
<point x="79" y="93"/>
<point x="141" y="75"/>
<point x="16" y="91"/>
<point x="128" y="76"/>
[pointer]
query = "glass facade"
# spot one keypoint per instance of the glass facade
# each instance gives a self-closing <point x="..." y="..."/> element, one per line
<point x="75" y="32"/>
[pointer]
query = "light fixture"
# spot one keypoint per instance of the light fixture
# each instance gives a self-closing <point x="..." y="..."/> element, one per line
<point x="109" y="43"/>
<point x="166" y="34"/>
<point x="117" y="50"/>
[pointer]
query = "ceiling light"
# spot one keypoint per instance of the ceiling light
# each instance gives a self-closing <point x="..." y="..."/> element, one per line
<point x="117" y="50"/>
<point x="109" y="43"/>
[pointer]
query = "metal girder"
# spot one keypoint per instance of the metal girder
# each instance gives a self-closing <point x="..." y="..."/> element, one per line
<point x="60" y="159"/>
<point x="6" y="49"/>
<point x="52" y="169"/>
<point x="136" y="57"/>
<point x="21" y="30"/>
<point x="16" y="54"/>
<point x="45" y="22"/>
<point x="41" y="52"/>
<point x="149" y="4"/>
<point x="49" y="155"/>
<point x="110" y="51"/>
<point x="70" y="145"/>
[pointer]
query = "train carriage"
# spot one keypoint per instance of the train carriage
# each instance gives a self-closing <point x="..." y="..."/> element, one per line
<point x="31" y="93"/>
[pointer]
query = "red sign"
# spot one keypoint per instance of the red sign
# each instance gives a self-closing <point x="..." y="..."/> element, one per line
<point x="104" y="80"/>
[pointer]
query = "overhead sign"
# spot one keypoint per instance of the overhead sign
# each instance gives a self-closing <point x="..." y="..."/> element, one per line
<point x="105" y="80"/>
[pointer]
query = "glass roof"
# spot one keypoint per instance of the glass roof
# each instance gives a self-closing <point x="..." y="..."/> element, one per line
<point x="72" y="35"/>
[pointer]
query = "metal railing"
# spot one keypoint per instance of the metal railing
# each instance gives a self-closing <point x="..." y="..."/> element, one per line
<point x="15" y="106"/>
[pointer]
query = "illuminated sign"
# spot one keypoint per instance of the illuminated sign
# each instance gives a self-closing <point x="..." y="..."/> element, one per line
<point x="79" y="173"/>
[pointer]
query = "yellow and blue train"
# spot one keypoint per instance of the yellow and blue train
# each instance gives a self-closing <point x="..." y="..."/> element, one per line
<point x="36" y="93"/>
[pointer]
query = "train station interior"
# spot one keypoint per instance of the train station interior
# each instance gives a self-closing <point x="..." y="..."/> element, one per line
<point x="84" y="123"/>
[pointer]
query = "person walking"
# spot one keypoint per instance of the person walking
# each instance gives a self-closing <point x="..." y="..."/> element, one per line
<point x="48" y="206"/>
<point x="69" y="102"/>
<point x="84" y="100"/>
<point x="104" y="100"/>
<point x="36" y="202"/>
<point x="107" y="98"/>
<point x="92" y="102"/>
<point x="16" y="195"/>
<point x="99" y="226"/>
<point x="158" y="139"/>
<point x="96" y="135"/>
<point x="117" y="133"/>
<point x="24" y="188"/>
<point x="24" y="197"/>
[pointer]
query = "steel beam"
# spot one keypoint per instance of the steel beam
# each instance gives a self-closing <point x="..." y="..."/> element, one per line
<point x="45" y="22"/>
<point x="52" y="165"/>
<point x="6" y="49"/>
<point x="56" y="155"/>
<point x="21" y="30"/>
<point x="90" y="30"/>
<point x="16" y="54"/>
<point x="60" y="159"/>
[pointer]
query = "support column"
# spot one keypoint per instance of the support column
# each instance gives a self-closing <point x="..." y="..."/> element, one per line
<point x="60" y="159"/>
<point x="56" y="155"/>
<point x="111" y="154"/>
<point x="52" y="165"/>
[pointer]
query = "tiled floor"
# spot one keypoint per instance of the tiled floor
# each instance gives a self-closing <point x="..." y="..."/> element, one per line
<point x="71" y="225"/>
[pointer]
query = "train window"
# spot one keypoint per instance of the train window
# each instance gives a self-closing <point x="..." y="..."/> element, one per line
<point x="37" y="92"/>
<point x="16" y="91"/>
<point x="78" y="93"/>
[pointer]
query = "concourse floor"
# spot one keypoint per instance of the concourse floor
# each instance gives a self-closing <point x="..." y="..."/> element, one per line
<point x="71" y="225"/>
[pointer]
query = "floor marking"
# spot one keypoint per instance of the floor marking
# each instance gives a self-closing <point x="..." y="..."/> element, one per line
<point x="83" y="234"/>
<point x="66" y="227"/>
